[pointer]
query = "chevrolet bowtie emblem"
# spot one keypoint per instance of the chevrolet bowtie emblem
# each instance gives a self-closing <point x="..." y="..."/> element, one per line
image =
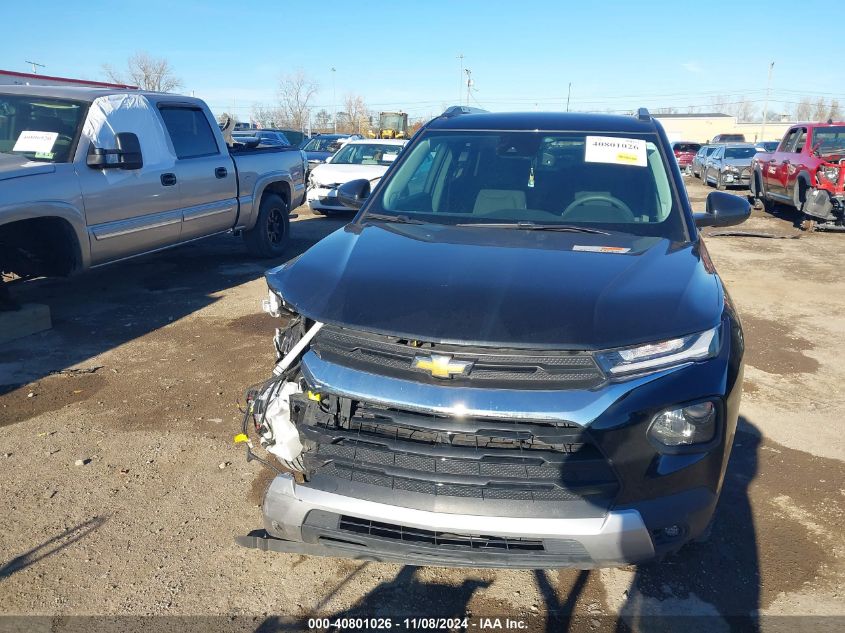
<point x="441" y="365"/>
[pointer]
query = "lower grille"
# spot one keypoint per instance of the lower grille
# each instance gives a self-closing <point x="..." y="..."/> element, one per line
<point x="419" y="460"/>
<point x="439" y="539"/>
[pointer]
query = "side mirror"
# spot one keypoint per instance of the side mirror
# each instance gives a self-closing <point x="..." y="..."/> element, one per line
<point x="126" y="156"/>
<point x="723" y="209"/>
<point x="354" y="193"/>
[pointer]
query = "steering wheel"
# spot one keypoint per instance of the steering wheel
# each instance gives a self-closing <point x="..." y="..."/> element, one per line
<point x="599" y="197"/>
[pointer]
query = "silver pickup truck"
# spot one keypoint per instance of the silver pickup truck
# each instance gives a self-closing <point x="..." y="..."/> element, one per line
<point x="92" y="176"/>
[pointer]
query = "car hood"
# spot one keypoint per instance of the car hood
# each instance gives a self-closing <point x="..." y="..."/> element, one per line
<point x="503" y="287"/>
<point x="15" y="166"/>
<point x="737" y="162"/>
<point x="330" y="174"/>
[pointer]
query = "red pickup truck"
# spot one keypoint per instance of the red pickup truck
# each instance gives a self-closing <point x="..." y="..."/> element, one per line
<point x="806" y="171"/>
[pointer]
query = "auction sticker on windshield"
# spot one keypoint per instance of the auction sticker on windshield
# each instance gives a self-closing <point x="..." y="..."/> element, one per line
<point x="30" y="141"/>
<point x="616" y="151"/>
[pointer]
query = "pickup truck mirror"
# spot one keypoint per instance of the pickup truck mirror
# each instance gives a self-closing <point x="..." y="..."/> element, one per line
<point x="126" y="156"/>
<point x="723" y="209"/>
<point x="352" y="194"/>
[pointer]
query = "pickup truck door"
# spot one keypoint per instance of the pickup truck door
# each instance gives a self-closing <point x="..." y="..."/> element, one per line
<point x="204" y="170"/>
<point x="128" y="212"/>
<point x="792" y="164"/>
<point x="773" y="169"/>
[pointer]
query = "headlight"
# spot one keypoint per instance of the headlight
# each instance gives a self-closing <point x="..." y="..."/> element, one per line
<point x="731" y="169"/>
<point x="685" y="426"/>
<point x="275" y="306"/>
<point x="656" y="356"/>
<point x="830" y="173"/>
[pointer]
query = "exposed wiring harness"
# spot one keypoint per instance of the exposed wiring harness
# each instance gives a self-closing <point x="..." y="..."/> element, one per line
<point x="259" y="395"/>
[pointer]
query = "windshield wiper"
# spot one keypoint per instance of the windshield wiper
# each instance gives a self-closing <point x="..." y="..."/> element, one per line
<point x="398" y="219"/>
<point x="533" y="226"/>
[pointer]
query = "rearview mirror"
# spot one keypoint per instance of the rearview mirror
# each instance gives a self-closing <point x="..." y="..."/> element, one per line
<point x="354" y="193"/>
<point x="127" y="154"/>
<point x="723" y="209"/>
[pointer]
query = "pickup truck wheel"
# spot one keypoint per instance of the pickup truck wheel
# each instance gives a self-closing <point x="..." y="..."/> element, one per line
<point x="270" y="234"/>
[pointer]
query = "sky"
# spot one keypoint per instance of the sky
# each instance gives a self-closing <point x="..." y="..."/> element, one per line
<point x="523" y="55"/>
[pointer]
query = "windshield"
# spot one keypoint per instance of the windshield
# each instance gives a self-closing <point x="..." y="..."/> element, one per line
<point x="39" y="128"/>
<point x="603" y="182"/>
<point x="686" y="147"/>
<point x="829" y="140"/>
<point x="392" y="121"/>
<point x="322" y="144"/>
<point x="366" y="154"/>
<point x="740" y="152"/>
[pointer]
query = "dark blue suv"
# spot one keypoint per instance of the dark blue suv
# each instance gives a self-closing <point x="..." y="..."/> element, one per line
<point x="518" y="354"/>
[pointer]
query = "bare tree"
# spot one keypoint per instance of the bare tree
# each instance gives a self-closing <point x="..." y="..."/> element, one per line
<point x="804" y="110"/>
<point x="743" y="110"/>
<point x="359" y="118"/>
<point x="146" y="72"/>
<point x="267" y="117"/>
<point x="295" y="93"/>
<point x="820" y="110"/>
<point x="835" y="111"/>
<point x="322" y="120"/>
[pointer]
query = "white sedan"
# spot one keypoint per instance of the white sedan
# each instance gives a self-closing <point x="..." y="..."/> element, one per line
<point x="368" y="158"/>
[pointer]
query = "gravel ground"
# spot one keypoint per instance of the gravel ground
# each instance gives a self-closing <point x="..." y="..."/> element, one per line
<point x="121" y="490"/>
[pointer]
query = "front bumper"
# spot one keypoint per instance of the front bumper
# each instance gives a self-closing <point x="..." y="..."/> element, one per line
<point x="664" y="500"/>
<point x="303" y="520"/>
<point x="734" y="179"/>
<point x="324" y="198"/>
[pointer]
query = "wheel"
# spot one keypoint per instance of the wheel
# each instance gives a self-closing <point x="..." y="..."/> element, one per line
<point x="704" y="177"/>
<point x="270" y="234"/>
<point x="720" y="184"/>
<point x="799" y="196"/>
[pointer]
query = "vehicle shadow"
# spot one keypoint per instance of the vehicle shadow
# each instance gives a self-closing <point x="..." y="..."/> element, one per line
<point x="50" y="547"/>
<point x="712" y="586"/>
<point x="406" y="595"/>
<point x="105" y="308"/>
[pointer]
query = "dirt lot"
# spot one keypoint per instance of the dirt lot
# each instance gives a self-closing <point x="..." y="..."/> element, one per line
<point x="141" y="378"/>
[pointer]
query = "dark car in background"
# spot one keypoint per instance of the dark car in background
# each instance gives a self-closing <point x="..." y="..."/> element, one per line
<point x="766" y="146"/>
<point x="518" y="354"/>
<point x="697" y="164"/>
<point x="319" y="148"/>
<point x="727" y="138"/>
<point x="270" y="138"/>
<point x="729" y="165"/>
<point x="684" y="152"/>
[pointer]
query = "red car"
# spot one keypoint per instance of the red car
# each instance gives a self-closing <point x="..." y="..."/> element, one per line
<point x="685" y="152"/>
<point x="806" y="171"/>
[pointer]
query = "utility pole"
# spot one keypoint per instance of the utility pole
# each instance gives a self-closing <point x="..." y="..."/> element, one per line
<point x="34" y="64"/>
<point x="334" y="100"/>
<point x="766" y="104"/>
<point x="568" y="94"/>
<point x="469" y="83"/>
<point x="460" y="77"/>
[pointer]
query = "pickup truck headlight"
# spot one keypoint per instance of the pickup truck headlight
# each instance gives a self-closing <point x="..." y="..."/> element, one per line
<point x="686" y="426"/>
<point x="656" y="356"/>
<point x="830" y="173"/>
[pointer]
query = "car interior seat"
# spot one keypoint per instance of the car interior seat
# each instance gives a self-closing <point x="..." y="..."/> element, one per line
<point x="489" y="200"/>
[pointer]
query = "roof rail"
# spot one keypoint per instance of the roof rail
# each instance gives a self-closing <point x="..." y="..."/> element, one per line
<point x="643" y="114"/>
<point x="456" y="110"/>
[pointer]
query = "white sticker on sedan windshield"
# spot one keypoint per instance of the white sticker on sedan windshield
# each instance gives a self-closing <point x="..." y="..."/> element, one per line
<point x="35" y="141"/>
<point x="616" y="151"/>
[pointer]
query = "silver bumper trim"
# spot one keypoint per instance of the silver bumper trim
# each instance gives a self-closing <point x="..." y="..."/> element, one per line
<point x="618" y="538"/>
<point x="579" y="406"/>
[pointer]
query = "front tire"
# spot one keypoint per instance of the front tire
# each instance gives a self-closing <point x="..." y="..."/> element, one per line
<point x="720" y="184"/>
<point x="270" y="235"/>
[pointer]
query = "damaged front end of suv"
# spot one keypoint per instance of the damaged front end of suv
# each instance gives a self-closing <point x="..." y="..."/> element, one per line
<point x="518" y="354"/>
